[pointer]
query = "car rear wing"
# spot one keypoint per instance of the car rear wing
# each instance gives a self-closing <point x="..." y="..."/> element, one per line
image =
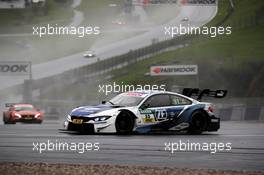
<point x="189" y="92"/>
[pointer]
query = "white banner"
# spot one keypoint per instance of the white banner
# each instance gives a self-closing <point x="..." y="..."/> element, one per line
<point x="15" y="68"/>
<point x="174" y="70"/>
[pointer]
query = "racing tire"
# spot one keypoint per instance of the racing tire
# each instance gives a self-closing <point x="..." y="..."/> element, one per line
<point x="39" y="121"/>
<point x="4" y="120"/>
<point x="71" y="127"/>
<point x="124" y="123"/>
<point x="7" y="121"/>
<point x="198" y="123"/>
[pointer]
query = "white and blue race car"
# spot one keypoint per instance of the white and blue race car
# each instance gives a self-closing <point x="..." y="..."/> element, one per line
<point x="147" y="111"/>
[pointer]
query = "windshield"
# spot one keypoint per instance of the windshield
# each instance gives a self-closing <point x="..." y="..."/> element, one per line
<point x="126" y="99"/>
<point x="24" y="108"/>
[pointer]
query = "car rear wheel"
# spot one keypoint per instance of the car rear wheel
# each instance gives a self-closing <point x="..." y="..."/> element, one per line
<point x="198" y="123"/>
<point x="124" y="123"/>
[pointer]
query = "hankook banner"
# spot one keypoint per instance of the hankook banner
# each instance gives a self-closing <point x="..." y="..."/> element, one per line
<point x="15" y="68"/>
<point x="174" y="70"/>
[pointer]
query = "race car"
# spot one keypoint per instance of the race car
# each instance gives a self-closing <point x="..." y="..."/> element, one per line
<point x="147" y="111"/>
<point x="26" y="113"/>
<point x="89" y="54"/>
<point x="185" y="19"/>
<point x="119" y="22"/>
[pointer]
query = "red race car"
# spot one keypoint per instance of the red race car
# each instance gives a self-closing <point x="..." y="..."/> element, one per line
<point x="26" y="113"/>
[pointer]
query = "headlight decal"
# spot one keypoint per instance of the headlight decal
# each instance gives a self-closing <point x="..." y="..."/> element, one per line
<point x="101" y="118"/>
<point x="17" y="115"/>
<point x="68" y="118"/>
<point x="37" y="115"/>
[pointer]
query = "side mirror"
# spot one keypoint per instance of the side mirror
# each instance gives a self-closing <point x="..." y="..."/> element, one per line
<point x="103" y="102"/>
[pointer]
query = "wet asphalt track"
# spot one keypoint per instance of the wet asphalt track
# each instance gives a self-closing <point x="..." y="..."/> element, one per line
<point x="16" y="145"/>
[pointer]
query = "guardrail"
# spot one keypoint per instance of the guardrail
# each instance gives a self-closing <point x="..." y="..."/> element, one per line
<point x="238" y="113"/>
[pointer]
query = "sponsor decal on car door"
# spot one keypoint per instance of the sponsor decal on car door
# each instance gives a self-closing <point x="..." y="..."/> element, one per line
<point x="152" y="115"/>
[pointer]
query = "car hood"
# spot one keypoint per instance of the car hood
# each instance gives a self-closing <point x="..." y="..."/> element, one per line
<point x="85" y="111"/>
<point x="27" y="112"/>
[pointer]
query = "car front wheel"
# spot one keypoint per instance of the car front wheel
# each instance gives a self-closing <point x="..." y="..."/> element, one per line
<point x="124" y="123"/>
